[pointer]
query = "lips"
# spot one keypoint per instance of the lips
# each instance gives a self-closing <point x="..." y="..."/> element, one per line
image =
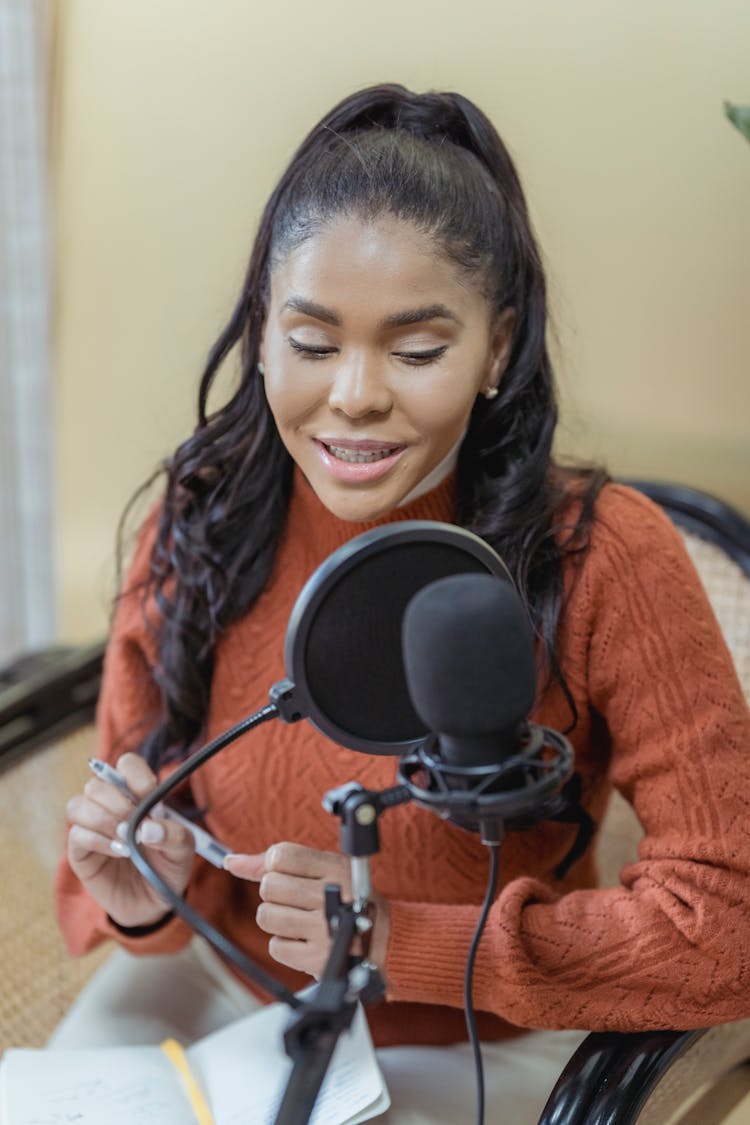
<point x="357" y="462"/>
<point x="357" y="455"/>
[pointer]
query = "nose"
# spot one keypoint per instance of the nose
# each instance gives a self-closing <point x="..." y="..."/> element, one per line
<point x="360" y="388"/>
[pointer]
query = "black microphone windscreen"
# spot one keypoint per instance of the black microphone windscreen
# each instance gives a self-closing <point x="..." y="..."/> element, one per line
<point x="469" y="658"/>
<point x="359" y="624"/>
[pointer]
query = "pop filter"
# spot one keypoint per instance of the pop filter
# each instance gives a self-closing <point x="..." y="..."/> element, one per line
<point x="343" y="642"/>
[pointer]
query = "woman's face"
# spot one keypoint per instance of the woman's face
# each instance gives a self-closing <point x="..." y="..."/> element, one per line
<point x="375" y="347"/>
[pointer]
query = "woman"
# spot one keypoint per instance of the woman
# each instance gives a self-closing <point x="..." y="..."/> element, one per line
<point x="392" y="332"/>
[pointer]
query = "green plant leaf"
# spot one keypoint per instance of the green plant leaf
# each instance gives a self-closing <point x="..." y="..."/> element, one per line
<point x="739" y="115"/>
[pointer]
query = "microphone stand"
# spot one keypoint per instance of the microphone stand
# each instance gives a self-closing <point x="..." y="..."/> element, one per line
<point x="311" y="1037"/>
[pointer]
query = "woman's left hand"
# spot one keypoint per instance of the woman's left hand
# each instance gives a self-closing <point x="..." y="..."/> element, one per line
<point x="292" y="882"/>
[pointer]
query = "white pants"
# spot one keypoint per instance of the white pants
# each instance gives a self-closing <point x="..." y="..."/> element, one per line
<point x="133" y="1000"/>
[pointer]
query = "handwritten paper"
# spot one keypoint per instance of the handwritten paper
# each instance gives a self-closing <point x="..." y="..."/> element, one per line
<point x="242" y="1070"/>
<point x="253" y="1048"/>
<point x="116" y="1085"/>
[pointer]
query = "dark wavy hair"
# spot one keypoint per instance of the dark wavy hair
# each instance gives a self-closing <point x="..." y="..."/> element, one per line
<point x="433" y="160"/>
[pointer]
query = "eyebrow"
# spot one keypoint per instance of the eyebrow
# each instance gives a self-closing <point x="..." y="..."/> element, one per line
<point x="395" y="320"/>
<point x="416" y="316"/>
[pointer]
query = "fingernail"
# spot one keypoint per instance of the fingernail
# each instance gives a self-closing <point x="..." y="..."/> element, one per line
<point x="151" y="833"/>
<point x="228" y="859"/>
<point x="122" y="829"/>
<point x="250" y="866"/>
<point x="119" y="848"/>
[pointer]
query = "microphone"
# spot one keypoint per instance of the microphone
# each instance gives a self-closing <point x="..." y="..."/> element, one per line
<point x="470" y="670"/>
<point x="469" y="662"/>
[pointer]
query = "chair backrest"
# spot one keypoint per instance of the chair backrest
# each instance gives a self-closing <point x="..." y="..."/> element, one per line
<point x="40" y="980"/>
<point x="728" y="589"/>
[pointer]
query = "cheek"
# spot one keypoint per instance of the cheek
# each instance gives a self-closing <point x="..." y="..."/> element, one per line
<point x="442" y="410"/>
<point x="284" y="394"/>
<point x="290" y="398"/>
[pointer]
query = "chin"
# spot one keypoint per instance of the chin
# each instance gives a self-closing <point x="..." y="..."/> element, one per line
<point x="356" y="507"/>
<point x="359" y="512"/>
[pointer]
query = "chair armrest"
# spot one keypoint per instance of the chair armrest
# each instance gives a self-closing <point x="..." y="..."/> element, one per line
<point x="622" y="1078"/>
<point x="46" y="694"/>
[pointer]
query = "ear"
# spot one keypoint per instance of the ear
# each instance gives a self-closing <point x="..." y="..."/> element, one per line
<point x="261" y="364"/>
<point x="501" y="347"/>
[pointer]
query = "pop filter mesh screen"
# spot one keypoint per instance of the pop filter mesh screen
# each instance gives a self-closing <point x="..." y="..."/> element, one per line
<point x="353" y="660"/>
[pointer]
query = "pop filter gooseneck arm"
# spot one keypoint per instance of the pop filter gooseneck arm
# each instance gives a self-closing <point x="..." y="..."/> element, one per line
<point x="180" y="907"/>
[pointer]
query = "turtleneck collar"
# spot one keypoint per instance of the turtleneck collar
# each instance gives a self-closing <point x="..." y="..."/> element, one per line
<point x="322" y="532"/>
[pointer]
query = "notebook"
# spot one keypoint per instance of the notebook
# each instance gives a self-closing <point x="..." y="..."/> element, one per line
<point x="234" y="1076"/>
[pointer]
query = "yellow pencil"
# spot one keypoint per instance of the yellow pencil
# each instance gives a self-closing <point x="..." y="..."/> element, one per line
<point x="174" y="1052"/>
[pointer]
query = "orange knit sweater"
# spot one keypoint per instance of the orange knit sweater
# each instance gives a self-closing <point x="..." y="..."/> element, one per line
<point x="660" y="715"/>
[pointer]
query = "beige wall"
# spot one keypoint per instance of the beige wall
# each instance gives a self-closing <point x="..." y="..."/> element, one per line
<point x="175" y="116"/>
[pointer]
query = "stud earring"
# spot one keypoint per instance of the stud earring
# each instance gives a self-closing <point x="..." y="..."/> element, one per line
<point x="261" y="368"/>
<point x="491" y="392"/>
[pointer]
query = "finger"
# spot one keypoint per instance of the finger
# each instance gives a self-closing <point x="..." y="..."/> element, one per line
<point x="82" y="842"/>
<point x="137" y="773"/>
<point x="171" y="839"/>
<point x="291" y="890"/>
<point x="246" y="866"/>
<point x="296" y="859"/>
<point x="299" y="955"/>
<point x="108" y="797"/>
<point x="148" y="832"/>
<point x="288" y="922"/>
<point x="86" y="813"/>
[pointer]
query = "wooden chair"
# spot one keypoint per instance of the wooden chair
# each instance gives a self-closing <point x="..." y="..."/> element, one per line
<point x="39" y="979"/>
<point x="46" y="708"/>
<point x="46" y="736"/>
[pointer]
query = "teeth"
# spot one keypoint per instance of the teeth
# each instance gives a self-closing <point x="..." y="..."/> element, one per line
<point x="357" y="456"/>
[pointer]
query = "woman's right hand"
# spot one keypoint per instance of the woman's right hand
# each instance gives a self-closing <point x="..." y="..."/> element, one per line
<point x="98" y="856"/>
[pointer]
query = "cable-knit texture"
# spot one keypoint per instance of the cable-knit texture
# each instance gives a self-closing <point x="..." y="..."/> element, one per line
<point x="660" y="714"/>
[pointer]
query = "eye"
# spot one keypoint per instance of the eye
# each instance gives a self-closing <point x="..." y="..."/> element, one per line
<point x="422" y="358"/>
<point x="311" y="351"/>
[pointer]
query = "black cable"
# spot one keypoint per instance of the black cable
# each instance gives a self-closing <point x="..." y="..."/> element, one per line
<point x="227" y="949"/>
<point x="471" y="1026"/>
<point x="222" y="944"/>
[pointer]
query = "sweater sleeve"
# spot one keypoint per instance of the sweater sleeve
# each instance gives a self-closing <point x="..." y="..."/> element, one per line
<point x="669" y="947"/>
<point x="128" y="707"/>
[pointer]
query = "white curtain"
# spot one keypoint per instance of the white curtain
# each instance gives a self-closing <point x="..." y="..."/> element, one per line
<point x="26" y="533"/>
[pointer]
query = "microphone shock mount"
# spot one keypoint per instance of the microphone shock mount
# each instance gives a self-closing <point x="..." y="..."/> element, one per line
<point x="516" y="792"/>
